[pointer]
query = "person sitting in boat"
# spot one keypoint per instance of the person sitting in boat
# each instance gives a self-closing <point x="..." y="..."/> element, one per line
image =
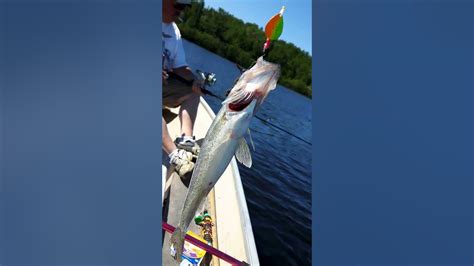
<point x="180" y="88"/>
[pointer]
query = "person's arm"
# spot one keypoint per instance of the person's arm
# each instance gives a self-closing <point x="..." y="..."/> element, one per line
<point x="180" y="67"/>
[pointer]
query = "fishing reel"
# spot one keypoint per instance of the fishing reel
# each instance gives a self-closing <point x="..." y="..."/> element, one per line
<point x="208" y="77"/>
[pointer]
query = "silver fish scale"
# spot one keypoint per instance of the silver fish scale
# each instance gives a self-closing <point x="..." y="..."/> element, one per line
<point x="216" y="153"/>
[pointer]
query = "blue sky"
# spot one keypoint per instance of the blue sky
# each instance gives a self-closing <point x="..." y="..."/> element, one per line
<point x="297" y="16"/>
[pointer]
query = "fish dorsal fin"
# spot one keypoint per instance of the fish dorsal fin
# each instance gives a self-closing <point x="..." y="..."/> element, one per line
<point x="251" y="140"/>
<point x="243" y="153"/>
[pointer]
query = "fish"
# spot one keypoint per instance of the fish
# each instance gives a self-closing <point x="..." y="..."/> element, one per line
<point x="224" y="139"/>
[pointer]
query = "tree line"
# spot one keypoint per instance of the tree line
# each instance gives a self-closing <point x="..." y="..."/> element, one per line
<point x="242" y="43"/>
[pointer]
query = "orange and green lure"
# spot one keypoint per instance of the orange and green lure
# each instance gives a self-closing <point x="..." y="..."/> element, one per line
<point x="273" y="28"/>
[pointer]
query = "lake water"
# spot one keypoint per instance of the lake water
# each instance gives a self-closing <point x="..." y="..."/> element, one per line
<point x="278" y="186"/>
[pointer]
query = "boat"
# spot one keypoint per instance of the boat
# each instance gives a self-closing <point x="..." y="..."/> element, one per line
<point x="226" y="203"/>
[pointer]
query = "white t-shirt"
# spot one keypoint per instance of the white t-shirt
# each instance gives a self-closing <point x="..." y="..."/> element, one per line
<point x="173" y="51"/>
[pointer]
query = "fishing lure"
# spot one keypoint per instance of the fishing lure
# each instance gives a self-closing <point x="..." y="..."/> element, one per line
<point x="273" y="29"/>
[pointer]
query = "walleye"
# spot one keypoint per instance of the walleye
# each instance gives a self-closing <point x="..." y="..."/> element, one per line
<point x="225" y="138"/>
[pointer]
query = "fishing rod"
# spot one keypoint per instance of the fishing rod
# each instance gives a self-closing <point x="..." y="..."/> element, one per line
<point x="221" y="255"/>
<point x="261" y="119"/>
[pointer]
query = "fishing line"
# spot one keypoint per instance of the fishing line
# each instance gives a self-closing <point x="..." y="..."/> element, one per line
<point x="284" y="130"/>
<point x="207" y="92"/>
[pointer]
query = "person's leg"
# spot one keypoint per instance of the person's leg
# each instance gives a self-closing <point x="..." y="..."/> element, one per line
<point x="168" y="144"/>
<point x="177" y="93"/>
<point x="187" y="113"/>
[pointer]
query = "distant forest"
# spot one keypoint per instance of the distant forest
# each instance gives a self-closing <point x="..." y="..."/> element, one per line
<point x="242" y="43"/>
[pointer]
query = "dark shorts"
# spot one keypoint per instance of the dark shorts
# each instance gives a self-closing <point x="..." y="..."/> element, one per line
<point x="175" y="89"/>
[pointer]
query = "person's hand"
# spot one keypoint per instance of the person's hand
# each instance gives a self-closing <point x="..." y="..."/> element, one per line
<point x="197" y="85"/>
<point x="164" y="76"/>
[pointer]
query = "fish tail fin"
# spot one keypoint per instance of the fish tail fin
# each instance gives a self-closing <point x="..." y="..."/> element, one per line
<point x="177" y="241"/>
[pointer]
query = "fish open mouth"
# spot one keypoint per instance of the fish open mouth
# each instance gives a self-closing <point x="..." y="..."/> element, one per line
<point x="255" y="83"/>
<point x="240" y="105"/>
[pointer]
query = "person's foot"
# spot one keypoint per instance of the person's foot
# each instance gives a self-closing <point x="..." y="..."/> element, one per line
<point x="188" y="143"/>
<point x="182" y="161"/>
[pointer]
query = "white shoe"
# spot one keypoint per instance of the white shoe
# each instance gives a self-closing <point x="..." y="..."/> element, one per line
<point x="187" y="143"/>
